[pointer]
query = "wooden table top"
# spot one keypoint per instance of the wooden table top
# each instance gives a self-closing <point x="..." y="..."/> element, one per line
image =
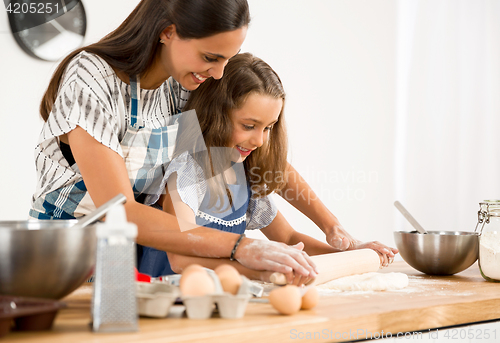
<point x="428" y="302"/>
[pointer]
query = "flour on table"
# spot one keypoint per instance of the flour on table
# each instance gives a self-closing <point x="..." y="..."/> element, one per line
<point x="368" y="282"/>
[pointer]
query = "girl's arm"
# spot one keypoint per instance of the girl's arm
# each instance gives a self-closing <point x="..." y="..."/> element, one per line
<point x="281" y="231"/>
<point x="105" y="175"/>
<point x="300" y="195"/>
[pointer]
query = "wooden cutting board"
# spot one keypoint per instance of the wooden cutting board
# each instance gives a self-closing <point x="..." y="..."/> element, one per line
<point x="428" y="302"/>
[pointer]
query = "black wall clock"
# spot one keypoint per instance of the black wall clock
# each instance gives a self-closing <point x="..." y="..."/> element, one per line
<point x="48" y="29"/>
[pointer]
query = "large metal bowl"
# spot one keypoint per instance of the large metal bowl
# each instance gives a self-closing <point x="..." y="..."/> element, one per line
<point x="438" y="252"/>
<point x="45" y="258"/>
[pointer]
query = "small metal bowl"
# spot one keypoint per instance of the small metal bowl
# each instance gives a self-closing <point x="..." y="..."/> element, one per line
<point x="45" y="258"/>
<point x="438" y="252"/>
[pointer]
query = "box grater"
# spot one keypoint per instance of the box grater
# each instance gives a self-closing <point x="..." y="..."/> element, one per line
<point x="114" y="305"/>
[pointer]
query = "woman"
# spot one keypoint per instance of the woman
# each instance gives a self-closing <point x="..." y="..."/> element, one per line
<point x="104" y="135"/>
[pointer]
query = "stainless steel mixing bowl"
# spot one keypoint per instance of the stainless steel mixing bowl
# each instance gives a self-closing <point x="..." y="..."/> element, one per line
<point x="438" y="252"/>
<point x="45" y="258"/>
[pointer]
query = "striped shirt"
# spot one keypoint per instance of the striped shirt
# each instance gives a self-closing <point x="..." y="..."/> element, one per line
<point x="93" y="97"/>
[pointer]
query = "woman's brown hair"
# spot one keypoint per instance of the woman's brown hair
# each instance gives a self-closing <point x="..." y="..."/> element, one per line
<point x="213" y="102"/>
<point x="134" y="45"/>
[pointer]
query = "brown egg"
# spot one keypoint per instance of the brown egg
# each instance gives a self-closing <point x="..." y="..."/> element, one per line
<point x="229" y="278"/>
<point x="188" y="270"/>
<point x="196" y="283"/>
<point x="286" y="299"/>
<point x="192" y="267"/>
<point x="310" y="298"/>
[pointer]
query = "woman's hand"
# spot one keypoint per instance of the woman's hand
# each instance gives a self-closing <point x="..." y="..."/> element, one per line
<point x="276" y="257"/>
<point x="291" y="278"/>
<point x="340" y="239"/>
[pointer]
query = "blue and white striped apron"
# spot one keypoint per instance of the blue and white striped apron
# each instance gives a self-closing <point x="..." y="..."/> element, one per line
<point x="146" y="153"/>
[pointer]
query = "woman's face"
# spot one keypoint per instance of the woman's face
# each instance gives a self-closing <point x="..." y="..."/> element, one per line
<point x="192" y="61"/>
<point x="252" y="123"/>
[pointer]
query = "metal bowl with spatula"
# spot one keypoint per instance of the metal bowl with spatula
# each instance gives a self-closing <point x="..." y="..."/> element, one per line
<point x="49" y="258"/>
<point x="436" y="252"/>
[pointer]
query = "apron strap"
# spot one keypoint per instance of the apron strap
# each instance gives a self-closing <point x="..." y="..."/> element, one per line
<point x="173" y="103"/>
<point x="135" y="106"/>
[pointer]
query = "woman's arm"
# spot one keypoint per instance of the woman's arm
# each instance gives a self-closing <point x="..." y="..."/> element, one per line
<point x="105" y="175"/>
<point x="300" y="195"/>
<point x="173" y="204"/>
<point x="179" y="262"/>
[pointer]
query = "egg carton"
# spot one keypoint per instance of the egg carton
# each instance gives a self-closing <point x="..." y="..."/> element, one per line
<point x="155" y="299"/>
<point x="229" y="306"/>
<point x="174" y="279"/>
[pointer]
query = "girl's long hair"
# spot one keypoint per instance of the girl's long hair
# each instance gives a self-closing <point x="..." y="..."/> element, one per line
<point x="134" y="45"/>
<point x="213" y="102"/>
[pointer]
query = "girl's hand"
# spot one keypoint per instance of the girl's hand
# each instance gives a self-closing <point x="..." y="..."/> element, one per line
<point x="276" y="257"/>
<point x="385" y="253"/>
<point x="338" y="238"/>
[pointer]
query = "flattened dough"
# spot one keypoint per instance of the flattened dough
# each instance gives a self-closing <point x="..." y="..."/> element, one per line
<point x="372" y="281"/>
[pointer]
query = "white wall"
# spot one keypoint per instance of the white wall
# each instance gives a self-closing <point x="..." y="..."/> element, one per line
<point x="447" y="92"/>
<point x="24" y="80"/>
<point x="339" y="64"/>
<point x="336" y="60"/>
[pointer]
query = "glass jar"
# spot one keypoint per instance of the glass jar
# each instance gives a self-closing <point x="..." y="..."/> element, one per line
<point x="489" y="239"/>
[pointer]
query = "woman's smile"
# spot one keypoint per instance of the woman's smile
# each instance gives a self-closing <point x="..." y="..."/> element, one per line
<point x="198" y="78"/>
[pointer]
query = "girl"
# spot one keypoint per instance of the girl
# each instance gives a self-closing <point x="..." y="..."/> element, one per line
<point x="229" y="157"/>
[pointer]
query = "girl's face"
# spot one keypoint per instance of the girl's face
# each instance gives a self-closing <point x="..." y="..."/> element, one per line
<point x="252" y="123"/>
<point x="192" y="61"/>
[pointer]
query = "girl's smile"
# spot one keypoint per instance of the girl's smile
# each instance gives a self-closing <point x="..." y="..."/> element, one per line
<point x="252" y="123"/>
<point x="244" y="152"/>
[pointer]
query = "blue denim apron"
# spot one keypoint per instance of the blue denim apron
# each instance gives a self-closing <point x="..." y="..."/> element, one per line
<point x="155" y="262"/>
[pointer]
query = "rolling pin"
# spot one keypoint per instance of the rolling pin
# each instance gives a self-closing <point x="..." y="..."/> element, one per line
<point x="336" y="265"/>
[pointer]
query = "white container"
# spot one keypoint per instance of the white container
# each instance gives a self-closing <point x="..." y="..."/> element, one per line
<point x="489" y="240"/>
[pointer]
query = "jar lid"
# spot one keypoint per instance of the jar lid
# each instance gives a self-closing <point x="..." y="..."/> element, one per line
<point x="491" y="207"/>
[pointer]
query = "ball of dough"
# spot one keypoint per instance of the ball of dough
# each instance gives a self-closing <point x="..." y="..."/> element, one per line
<point x="373" y="281"/>
<point x="196" y="283"/>
<point x="310" y="298"/>
<point x="286" y="299"/>
<point x="229" y="278"/>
